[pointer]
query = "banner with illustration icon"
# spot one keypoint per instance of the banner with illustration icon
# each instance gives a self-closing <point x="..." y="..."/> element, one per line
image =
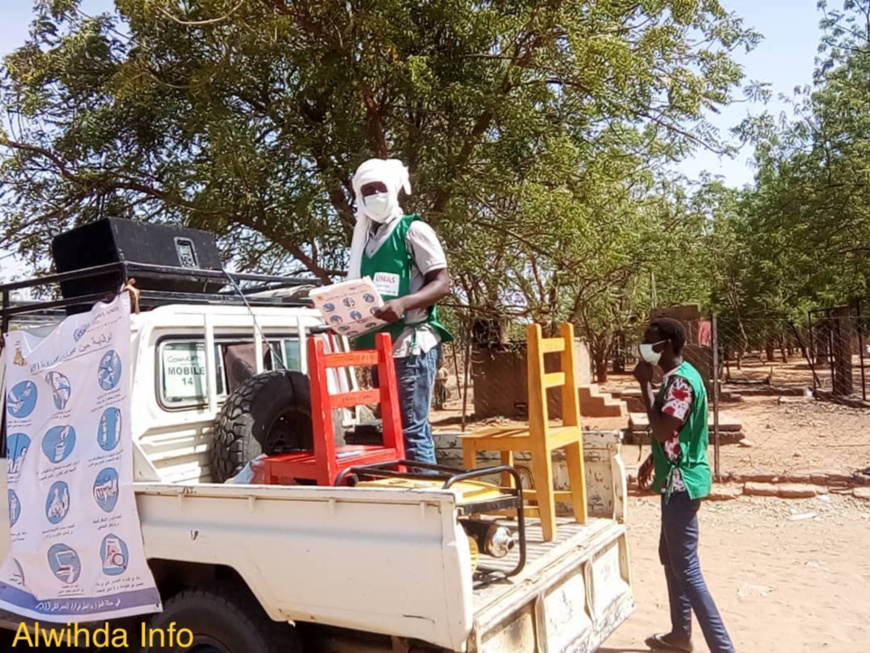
<point x="76" y="552"/>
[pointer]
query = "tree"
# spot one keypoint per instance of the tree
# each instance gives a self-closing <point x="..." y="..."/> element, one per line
<point x="808" y="219"/>
<point x="248" y="118"/>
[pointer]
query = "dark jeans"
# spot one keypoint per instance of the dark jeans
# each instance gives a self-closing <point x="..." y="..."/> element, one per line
<point x="687" y="591"/>
<point x="415" y="377"/>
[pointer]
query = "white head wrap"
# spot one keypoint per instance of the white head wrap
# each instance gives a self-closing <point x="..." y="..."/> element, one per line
<point x="393" y="174"/>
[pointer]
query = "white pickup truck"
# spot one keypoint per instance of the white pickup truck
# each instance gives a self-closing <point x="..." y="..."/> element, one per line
<point x="278" y="569"/>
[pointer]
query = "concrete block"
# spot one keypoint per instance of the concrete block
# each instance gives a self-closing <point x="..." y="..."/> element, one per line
<point x="724" y="492"/>
<point x="797" y="478"/>
<point x="799" y="491"/>
<point x="861" y="493"/>
<point x="759" y="489"/>
<point x="762" y="478"/>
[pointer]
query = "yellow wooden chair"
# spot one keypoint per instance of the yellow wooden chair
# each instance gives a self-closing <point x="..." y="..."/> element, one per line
<point x="541" y="438"/>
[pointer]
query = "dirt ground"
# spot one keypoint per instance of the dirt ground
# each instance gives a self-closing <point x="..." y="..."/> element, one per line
<point x="784" y="434"/>
<point x="788" y="576"/>
<point x="798" y="435"/>
<point x="788" y="435"/>
<point x="795" y="436"/>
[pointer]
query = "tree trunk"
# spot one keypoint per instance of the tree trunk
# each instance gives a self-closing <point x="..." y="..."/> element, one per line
<point x="599" y="360"/>
<point x="744" y="343"/>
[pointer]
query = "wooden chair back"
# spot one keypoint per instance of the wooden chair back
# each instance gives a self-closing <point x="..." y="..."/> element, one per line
<point x="540" y="380"/>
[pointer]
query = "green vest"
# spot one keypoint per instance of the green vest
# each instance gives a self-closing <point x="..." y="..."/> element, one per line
<point x="694" y="438"/>
<point x="390" y="266"/>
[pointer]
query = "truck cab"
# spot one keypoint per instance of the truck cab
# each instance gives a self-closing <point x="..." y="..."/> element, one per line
<point x="191" y="358"/>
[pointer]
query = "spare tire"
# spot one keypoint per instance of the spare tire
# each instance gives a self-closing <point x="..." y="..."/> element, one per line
<point x="269" y="413"/>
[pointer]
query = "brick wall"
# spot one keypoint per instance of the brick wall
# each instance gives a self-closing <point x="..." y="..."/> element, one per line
<point x="500" y="380"/>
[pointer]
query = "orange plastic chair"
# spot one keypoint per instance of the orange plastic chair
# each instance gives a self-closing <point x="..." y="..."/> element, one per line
<point x="540" y="438"/>
<point x="327" y="460"/>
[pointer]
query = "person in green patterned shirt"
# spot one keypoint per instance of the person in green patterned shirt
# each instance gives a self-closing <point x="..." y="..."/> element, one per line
<point x="679" y="470"/>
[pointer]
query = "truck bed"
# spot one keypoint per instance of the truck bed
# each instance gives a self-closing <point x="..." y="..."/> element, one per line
<point x="570" y="596"/>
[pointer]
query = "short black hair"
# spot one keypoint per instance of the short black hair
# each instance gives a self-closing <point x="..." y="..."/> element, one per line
<point x="671" y="329"/>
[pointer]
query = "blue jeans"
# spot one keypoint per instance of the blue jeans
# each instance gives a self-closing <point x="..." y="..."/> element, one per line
<point x="415" y="376"/>
<point x="687" y="591"/>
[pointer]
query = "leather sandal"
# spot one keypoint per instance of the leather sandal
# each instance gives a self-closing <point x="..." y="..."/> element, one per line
<point x="658" y="643"/>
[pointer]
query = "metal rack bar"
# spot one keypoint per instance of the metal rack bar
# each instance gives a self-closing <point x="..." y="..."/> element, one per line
<point x="126" y="270"/>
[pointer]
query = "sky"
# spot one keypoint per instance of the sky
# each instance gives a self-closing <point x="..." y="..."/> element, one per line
<point x="784" y="60"/>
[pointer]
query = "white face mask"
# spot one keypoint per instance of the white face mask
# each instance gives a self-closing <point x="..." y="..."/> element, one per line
<point x="377" y="206"/>
<point x="649" y="354"/>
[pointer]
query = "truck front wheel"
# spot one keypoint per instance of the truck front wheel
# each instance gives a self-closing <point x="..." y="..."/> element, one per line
<point x="222" y="618"/>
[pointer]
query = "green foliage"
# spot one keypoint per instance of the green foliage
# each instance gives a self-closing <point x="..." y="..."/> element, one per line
<point x="538" y="136"/>
<point x="807" y="223"/>
<point x="249" y="118"/>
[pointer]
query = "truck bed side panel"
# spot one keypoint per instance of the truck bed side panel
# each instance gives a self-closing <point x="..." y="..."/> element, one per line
<point x="375" y="560"/>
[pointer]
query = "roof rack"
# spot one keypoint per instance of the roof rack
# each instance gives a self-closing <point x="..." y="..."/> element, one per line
<point x="148" y="299"/>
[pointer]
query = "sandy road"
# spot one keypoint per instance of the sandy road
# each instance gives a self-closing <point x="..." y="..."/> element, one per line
<point x="788" y="576"/>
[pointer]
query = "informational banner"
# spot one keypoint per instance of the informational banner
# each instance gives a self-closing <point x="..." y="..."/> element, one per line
<point x="76" y="552"/>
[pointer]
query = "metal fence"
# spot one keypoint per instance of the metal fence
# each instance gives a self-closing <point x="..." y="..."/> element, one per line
<point x="756" y="356"/>
<point x="763" y="353"/>
<point x="824" y="355"/>
<point x="838" y="351"/>
<point x="483" y="373"/>
<point x="466" y="367"/>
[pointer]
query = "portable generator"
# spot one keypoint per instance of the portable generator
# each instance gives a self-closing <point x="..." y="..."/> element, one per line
<point x="483" y="507"/>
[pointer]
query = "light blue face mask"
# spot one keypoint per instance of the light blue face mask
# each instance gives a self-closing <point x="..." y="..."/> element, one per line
<point x="378" y="206"/>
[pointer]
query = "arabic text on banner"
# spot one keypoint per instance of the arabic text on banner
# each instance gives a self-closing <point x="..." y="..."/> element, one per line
<point x="77" y="552"/>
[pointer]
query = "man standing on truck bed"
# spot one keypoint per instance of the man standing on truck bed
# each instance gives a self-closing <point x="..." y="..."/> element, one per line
<point x="681" y="473"/>
<point x="404" y="258"/>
